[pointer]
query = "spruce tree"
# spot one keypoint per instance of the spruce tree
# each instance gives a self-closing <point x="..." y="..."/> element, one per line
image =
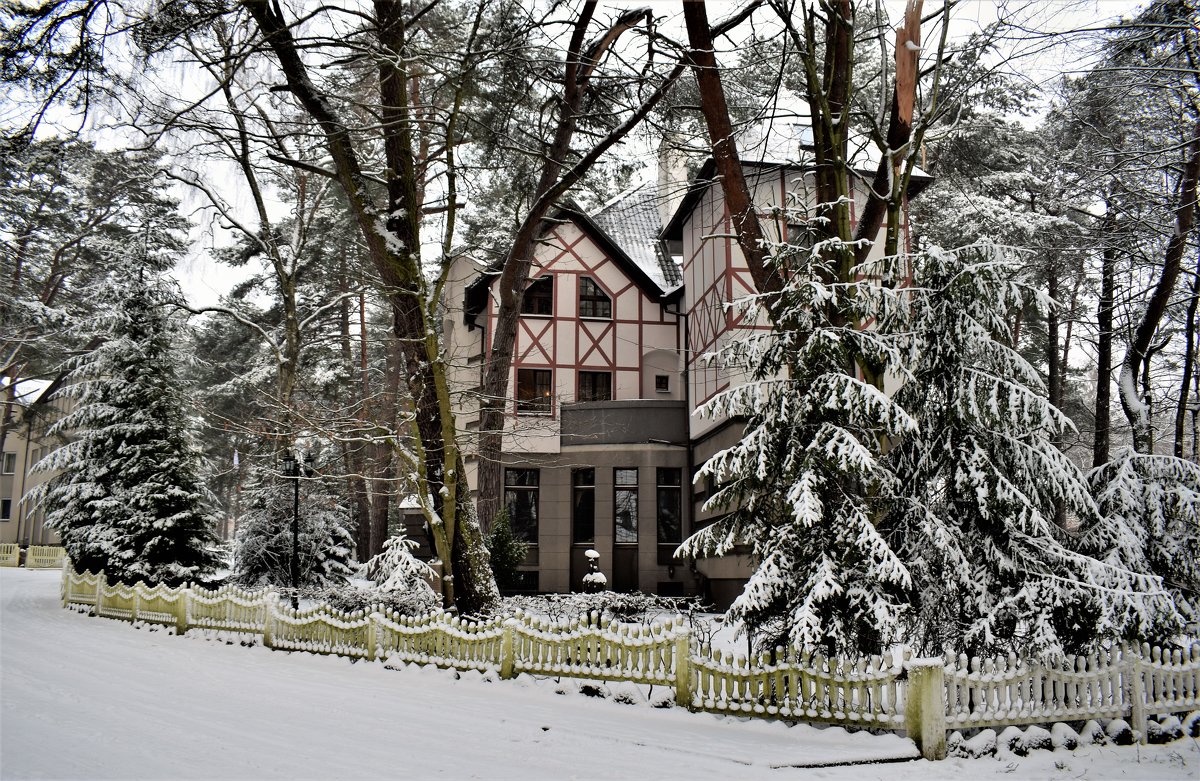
<point x="505" y="552"/>
<point x="805" y="484"/>
<point x="981" y="481"/>
<point x="127" y="499"/>
<point x="263" y="552"/>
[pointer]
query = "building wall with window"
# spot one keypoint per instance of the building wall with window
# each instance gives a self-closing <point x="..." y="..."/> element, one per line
<point x="596" y="355"/>
<point x="26" y="443"/>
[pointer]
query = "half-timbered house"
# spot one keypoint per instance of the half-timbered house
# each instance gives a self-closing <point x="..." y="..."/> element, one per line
<point x="622" y="314"/>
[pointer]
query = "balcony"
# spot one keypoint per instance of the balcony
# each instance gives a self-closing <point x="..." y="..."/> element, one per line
<point x="625" y="422"/>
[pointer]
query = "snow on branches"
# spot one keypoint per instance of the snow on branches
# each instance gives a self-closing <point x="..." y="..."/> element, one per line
<point x="939" y="513"/>
<point x="127" y="498"/>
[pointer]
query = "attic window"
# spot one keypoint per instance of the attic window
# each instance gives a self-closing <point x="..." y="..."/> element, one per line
<point x="539" y="297"/>
<point x="593" y="302"/>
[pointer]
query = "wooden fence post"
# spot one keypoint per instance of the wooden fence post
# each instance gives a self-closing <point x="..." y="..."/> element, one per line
<point x="181" y="609"/>
<point x="683" y="667"/>
<point x="136" y="600"/>
<point x="372" y="634"/>
<point x="1135" y="690"/>
<point x="100" y="581"/>
<point x="269" y="620"/>
<point x="508" y="661"/>
<point x="925" y="706"/>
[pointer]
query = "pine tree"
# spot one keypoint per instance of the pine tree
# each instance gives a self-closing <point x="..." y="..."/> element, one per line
<point x="128" y="499"/>
<point x="263" y="552"/>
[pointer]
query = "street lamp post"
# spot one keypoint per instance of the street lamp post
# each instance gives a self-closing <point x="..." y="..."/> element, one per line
<point x="292" y="468"/>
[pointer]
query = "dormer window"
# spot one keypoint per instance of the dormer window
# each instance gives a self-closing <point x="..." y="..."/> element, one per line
<point x="593" y="302"/>
<point x="539" y="297"/>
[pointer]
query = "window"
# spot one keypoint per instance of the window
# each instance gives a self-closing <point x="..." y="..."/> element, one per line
<point x="662" y="383"/>
<point x="625" y="506"/>
<point x="670" y="520"/>
<point x="539" y="297"/>
<point x="533" y="391"/>
<point x="583" y="505"/>
<point x="521" y="501"/>
<point x="595" y="386"/>
<point x="5" y="509"/>
<point x="10" y="463"/>
<point x="593" y="302"/>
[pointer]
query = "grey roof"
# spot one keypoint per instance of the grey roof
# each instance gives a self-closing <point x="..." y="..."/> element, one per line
<point x="632" y="222"/>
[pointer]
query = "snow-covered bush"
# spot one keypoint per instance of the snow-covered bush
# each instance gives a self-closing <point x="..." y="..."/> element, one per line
<point x="128" y="498"/>
<point x="1063" y="736"/>
<point x="1093" y="734"/>
<point x="1165" y="730"/>
<point x="263" y="550"/>
<point x="1119" y="732"/>
<point x="608" y="605"/>
<point x="352" y="596"/>
<point x="396" y="569"/>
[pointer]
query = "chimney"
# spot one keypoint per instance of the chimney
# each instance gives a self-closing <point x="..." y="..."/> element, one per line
<point x="672" y="175"/>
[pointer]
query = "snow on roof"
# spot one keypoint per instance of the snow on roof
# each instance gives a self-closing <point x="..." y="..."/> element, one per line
<point x="631" y="220"/>
<point x="27" y="391"/>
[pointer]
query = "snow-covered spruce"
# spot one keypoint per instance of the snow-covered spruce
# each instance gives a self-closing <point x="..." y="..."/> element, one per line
<point x="1152" y="507"/>
<point x="263" y="550"/>
<point x="127" y="498"/>
<point x="927" y="517"/>
<point x="981" y="482"/>
<point x="804" y="485"/>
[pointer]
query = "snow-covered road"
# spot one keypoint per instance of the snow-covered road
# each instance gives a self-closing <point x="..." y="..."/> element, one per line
<point x="94" y="698"/>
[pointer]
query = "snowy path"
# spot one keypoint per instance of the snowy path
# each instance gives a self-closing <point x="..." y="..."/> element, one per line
<point x="72" y="707"/>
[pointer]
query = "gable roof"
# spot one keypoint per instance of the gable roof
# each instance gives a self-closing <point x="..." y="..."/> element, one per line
<point x="649" y="271"/>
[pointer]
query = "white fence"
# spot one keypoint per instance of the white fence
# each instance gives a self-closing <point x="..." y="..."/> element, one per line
<point x="924" y="697"/>
<point x="36" y="556"/>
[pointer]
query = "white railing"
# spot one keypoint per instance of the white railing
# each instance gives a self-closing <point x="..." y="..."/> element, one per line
<point x="924" y="697"/>
<point x="803" y="686"/>
<point x="44" y="557"/>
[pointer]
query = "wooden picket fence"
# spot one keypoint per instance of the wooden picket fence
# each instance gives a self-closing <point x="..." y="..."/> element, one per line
<point x="923" y="697"/>
<point x="36" y="556"/>
<point x="44" y="557"/>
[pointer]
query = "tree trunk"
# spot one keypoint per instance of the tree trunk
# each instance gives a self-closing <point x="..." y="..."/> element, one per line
<point x="1189" y="363"/>
<point x="1137" y="408"/>
<point x="396" y="258"/>
<point x="1104" y="341"/>
<point x="1053" y="376"/>
<point x="739" y="203"/>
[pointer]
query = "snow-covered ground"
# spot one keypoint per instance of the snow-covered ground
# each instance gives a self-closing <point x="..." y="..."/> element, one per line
<point x="92" y="698"/>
